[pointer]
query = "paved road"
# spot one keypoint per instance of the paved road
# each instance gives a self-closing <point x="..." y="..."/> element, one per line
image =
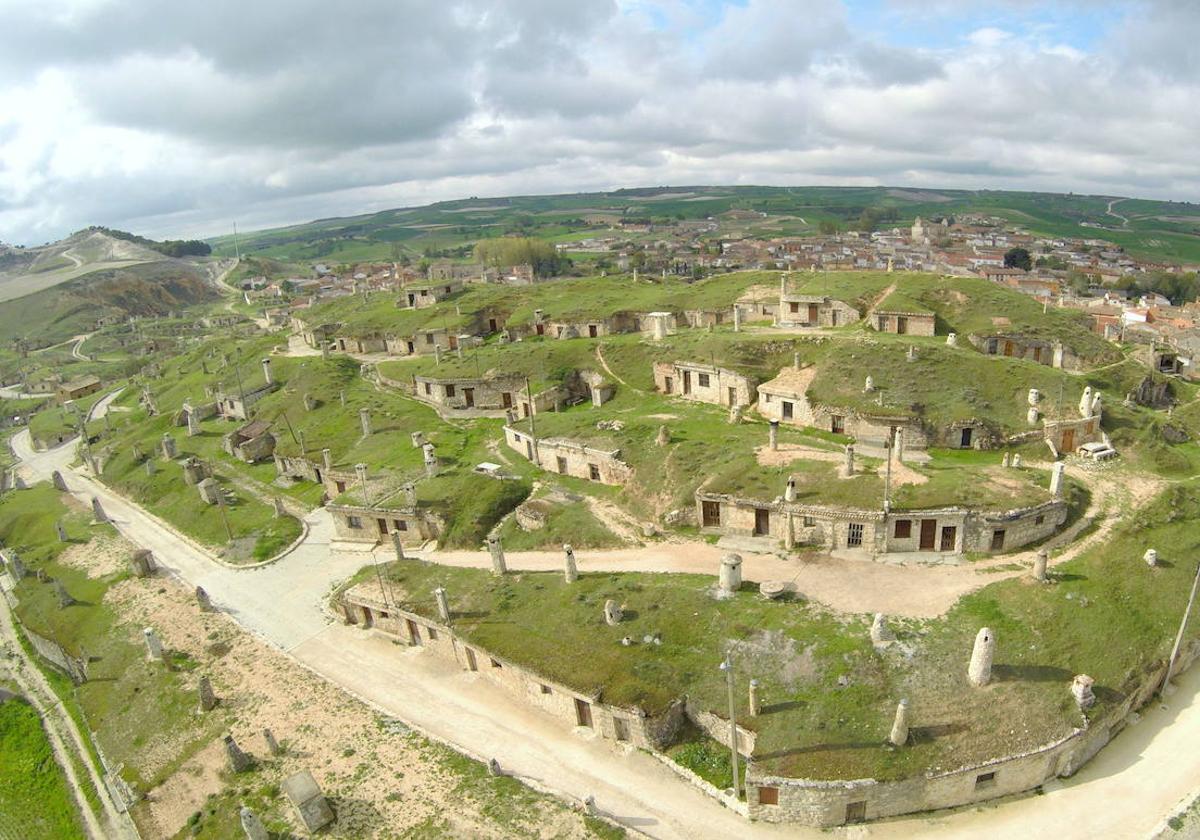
<point x="1124" y="793"/>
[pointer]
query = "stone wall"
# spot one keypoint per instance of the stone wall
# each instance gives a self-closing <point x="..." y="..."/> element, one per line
<point x="568" y="457"/>
<point x="1074" y="431"/>
<point x="1052" y="353"/>
<point x="831" y="803"/>
<point x="913" y="323"/>
<point x="355" y="523"/>
<point x="703" y="383"/>
<point x="809" y="311"/>
<point x="954" y="530"/>
<point x="615" y="723"/>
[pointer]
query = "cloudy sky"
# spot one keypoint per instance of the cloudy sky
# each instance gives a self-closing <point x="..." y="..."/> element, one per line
<point x="181" y="118"/>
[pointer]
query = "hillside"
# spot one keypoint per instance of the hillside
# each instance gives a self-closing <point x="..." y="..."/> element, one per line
<point x="73" y="306"/>
<point x="1152" y="229"/>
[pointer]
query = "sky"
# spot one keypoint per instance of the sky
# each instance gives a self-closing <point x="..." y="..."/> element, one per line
<point x="182" y="119"/>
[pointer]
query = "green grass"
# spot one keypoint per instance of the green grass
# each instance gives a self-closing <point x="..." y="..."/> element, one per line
<point x="131" y="704"/>
<point x="35" y="803"/>
<point x="570" y="523"/>
<point x="1119" y="618"/>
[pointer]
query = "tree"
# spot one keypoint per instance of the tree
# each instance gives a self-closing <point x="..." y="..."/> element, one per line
<point x="1018" y="258"/>
<point x="828" y="227"/>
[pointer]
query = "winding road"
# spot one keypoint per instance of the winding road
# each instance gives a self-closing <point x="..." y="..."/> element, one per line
<point x="1125" y="792"/>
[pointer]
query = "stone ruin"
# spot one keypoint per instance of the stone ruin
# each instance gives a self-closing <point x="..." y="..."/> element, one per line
<point x="663" y="437"/>
<point x="443" y="604"/>
<point x="881" y="633"/>
<point x="252" y="825"/>
<point x="1040" y="561"/>
<point x="206" y="696"/>
<point x="499" y="567"/>
<point x="202" y="599"/>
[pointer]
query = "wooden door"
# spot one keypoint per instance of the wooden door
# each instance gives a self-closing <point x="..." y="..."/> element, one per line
<point x="762" y="522"/>
<point x="383" y="526"/>
<point x="687" y="382"/>
<point x="965" y="442"/>
<point x="812" y="313"/>
<point x="541" y="329"/>
<point x="469" y="397"/>
<point x="928" y="534"/>
<point x="583" y="713"/>
<point x="949" y="537"/>
<point x="710" y="514"/>
<point x="1008" y="348"/>
<point x="901" y="325"/>
<point x="591" y="330"/>
<point x="491" y="324"/>
<point x="998" y="539"/>
<point x="453" y="342"/>
<point x="1068" y="445"/>
<point x="856" y="812"/>
<point x="506" y="399"/>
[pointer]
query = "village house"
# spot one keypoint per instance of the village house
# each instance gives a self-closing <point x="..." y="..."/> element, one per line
<point x="251" y="443"/>
<point x="378" y="520"/>
<point x="903" y="319"/>
<point x="422" y="295"/>
<point x="78" y="388"/>
<point x="813" y="310"/>
<point x="569" y="457"/>
<point x="703" y="383"/>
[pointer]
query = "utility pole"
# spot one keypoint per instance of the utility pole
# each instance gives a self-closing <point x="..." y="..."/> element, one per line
<point x="532" y="427"/>
<point x="224" y="515"/>
<point x="1179" y="636"/>
<point x="236" y="250"/>
<point x="887" y="480"/>
<point x="727" y="667"/>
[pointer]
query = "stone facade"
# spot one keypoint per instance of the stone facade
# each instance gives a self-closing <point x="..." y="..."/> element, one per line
<point x="704" y="383"/>
<point x="489" y="396"/>
<point x="251" y="443"/>
<point x="938" y="531"/>
<point x="568" y="457"/>
<point x="831" y="803"/>
<point x="809" y="311"/>
<point x="903" y="323"/>
<point x="427" y="294"/>
<point x="1052" y="353"/>
<point x="627" y="725"/>
<point x="238" y="406"/>
<point x="376" y="523"/>
<point x="1068" y="434"/>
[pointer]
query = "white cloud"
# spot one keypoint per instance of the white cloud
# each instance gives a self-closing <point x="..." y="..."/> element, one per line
<point x="173" y="122"/>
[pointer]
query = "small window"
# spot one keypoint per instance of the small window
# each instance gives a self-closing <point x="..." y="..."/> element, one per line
<point x="353" y="522"/>
<point x="429" y="338"/>
<point x="903" y="529"/>
<point x="837" y="424"/>
<point x="768" y="796"/>
<point x="545" y="689"/>
<point x="495" y="663"/>
<point x="428" y="389"/>
<point x="593" y="472"/>
<point x="766" y="398"/>
<point x="854" y="535"/>
<point x="793" y="306"/>
<point x="432" y="634"/>
<point x="449" y="390"/>
<point x="809" y="522"/>
<point x="1040" y="519"/>
<point x="787" y="410"/>
<point x="985" y="780"/>
<point x="702" y="380"/>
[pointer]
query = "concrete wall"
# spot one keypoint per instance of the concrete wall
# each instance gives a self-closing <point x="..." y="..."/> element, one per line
<point x="568" y="457"/>
<point x="615" y="723"/>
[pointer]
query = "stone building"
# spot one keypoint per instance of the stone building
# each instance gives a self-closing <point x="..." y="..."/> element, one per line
<point x="1051" y="353"/>
<point x="798" y="310"/>
<point x="785" y="398"/>
<point x="949" y="530"/>
<point x="78" y="388"/>
<point x="569" y="457"/>
<point x="377" y="521"/>
<point x="251" y="443"/>
<point x="422" y="295"/>
<point x="903" y="321"/>
<point x="493" y="395"/>
<point x="703" y="383"/>
<point x="364" y="605"/>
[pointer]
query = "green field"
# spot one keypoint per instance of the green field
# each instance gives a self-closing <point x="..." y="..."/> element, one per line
<point x="35" y="803"/>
